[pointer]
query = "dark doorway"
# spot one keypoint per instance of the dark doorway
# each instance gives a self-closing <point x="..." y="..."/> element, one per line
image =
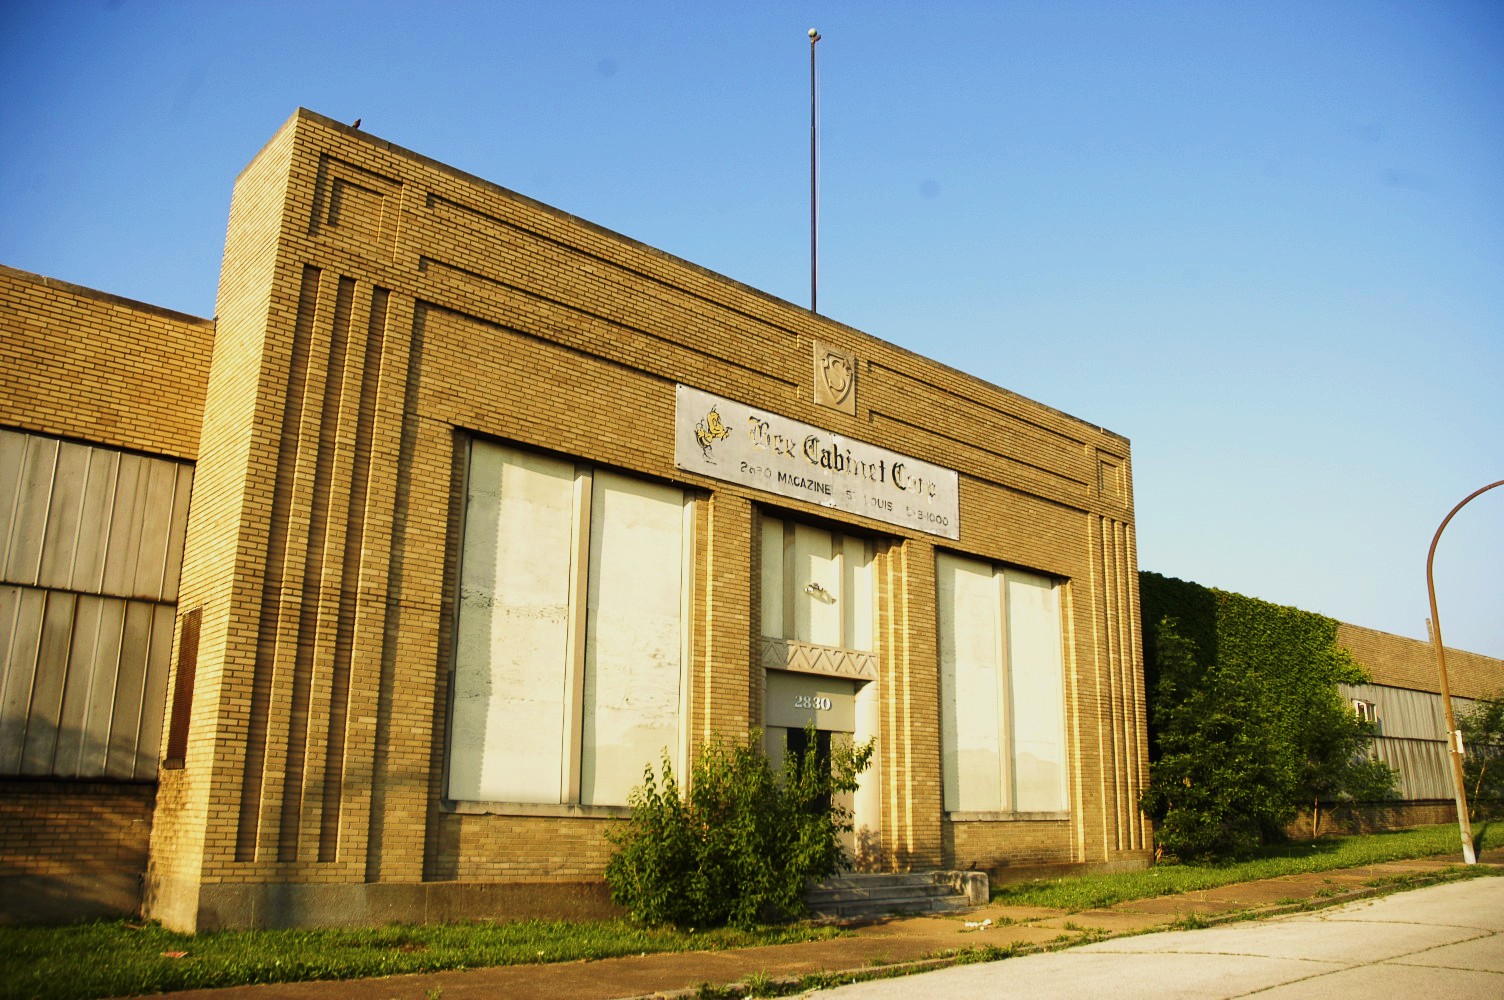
<point x="799" y="749"/>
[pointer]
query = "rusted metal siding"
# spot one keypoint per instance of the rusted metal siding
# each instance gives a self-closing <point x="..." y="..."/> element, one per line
<point x="91" y="546"/>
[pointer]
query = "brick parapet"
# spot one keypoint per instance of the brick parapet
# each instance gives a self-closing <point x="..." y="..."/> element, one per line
<point x="82" y="364"/>
<point x="1398" y="661"/>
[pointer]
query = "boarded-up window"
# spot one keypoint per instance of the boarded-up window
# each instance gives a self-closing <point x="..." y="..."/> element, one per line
<point x="1002" y="725"/>
<point x="816" y="585"/>
<point x="634" y="635"/>
<point x="570" y="659"/>
<point x="182" y="690"/>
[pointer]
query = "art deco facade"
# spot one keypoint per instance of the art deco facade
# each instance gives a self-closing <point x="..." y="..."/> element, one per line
<point x="491" y="508"/>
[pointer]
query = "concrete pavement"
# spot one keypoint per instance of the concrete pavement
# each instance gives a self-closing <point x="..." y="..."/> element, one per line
<point x="1444" y="941"/>
<point x="1465" y="936"/>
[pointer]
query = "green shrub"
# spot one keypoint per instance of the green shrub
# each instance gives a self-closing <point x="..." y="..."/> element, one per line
<point x="741" y="845"/>
<point x="1217" y="786"/>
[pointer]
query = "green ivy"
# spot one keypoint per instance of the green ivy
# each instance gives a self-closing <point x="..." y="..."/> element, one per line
<point x="1246" y="725"/>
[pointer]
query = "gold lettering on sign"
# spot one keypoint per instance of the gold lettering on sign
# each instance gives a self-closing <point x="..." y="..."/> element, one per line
<point x="835" y="378"/>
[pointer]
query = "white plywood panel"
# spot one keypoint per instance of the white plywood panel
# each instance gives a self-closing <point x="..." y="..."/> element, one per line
<point x="866" y="804"/>
<point x="172" y="569"/>
<point x="971" y="720"/>
<point x="857" y="601"/>
<point x="12" y="461"/>
<point x="154" y="694"/>
<point x="1038" y="692"/>
<point x="1424" y="770"/>
<point x="634" y="635"/>
<point x="124" y="544"/>
<point x="82" y="685"/>
<point x="816" y="579"/>
<point x="510" y="668"/>
<point x="94" y="521"/>
<point x="89" y="696"/>
<point x="155" y="528"/>
<point x="772" y="578"/>
<point x="125" y="719"/>
<point x="796" y="701"/>
<point x="1403" y="713"/>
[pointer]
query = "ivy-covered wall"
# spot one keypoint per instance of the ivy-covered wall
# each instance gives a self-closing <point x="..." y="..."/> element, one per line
<point x="1293" y="653"/>
<point x="1246" y="725"/>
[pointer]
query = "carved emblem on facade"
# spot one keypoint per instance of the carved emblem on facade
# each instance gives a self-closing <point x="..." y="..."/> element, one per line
<point x="835" y="378"/>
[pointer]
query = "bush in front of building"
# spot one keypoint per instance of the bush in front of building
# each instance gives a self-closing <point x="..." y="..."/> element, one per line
<point x="1246" y="725"/>
<point x="741" y="844"/>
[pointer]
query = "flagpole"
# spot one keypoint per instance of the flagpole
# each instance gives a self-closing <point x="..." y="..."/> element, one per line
<point x="814" y="191"/>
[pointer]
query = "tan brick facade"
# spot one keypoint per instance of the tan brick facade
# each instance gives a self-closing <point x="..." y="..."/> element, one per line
<point x="376" y="311"/>
<point x="70" y="850"/>
<point x="374" y="308"/>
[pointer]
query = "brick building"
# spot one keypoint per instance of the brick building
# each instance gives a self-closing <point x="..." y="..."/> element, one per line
<point x="369" y="600"/>
<point x="491" y="508"/>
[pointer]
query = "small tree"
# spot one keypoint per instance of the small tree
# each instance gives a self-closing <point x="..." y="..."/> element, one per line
<point x="742" y="844"/>
<point x="1482" y="726"/>
<point x="1216" y="788"/>
<point x="1336" y="766"/>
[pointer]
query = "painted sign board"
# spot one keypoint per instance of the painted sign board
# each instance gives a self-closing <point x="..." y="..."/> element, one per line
<point x="742" y="444"/>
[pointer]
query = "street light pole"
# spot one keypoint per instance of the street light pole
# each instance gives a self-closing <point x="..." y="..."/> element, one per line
<point x="1454" y="736"/>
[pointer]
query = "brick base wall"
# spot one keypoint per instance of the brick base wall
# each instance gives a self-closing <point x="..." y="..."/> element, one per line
<point x="72" y="850"/>
<point x="1374" y="818"/>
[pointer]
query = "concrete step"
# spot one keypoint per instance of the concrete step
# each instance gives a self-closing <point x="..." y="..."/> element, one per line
<point x="870" y="895"/>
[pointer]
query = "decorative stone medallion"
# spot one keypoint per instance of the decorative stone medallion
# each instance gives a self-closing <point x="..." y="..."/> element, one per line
<point x="835" y="378"/>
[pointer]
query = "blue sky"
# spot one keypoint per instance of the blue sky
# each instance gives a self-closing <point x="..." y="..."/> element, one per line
<point x="1264" y="241"/>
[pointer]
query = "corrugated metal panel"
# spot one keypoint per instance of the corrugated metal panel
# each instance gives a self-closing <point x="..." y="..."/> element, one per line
<point x="1422" y="766"/>
<point x="91" y="544"/>
<point x="92" y="520"/>
<point x="29" y="489"/>
<point x="82" y="684"/>
<point x="1412" y="736"/>
<point x="1403" y="713"/>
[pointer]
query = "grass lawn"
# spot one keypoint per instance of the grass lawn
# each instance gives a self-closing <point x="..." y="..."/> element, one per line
<point x="1086" y="892"/>
<point x="123" y="958"/>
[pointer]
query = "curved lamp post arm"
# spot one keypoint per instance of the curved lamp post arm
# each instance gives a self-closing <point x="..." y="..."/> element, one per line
<point x="1454" y="737"/>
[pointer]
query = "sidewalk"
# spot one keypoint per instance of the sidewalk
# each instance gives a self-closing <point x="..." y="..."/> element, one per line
<point x="915" y="943"/>
<point x="1443" y="941"/>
